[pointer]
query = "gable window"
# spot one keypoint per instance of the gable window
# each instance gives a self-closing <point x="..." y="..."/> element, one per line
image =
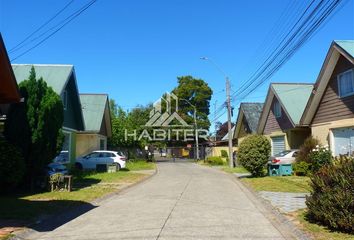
<point x="277" y="110"/>
<point x="65" y="99"/>
<point x="346" y="83"/>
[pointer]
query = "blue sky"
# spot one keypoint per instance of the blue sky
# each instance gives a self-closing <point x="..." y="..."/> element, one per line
<point x="134" y="50"/>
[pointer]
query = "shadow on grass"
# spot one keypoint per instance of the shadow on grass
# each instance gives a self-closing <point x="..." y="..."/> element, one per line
<point x="40" y="215"/>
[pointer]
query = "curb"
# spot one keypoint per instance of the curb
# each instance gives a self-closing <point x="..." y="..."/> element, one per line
<point x="24" y="233"/>
<point x="287" y="228"/>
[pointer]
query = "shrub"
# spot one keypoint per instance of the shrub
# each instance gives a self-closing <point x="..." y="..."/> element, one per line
<point x="12" y="166"/>
<point x="306" y="148"/>
<point x="332" y="197"/>
<point x="319" y="157"/>
<point x="301" y="168"/>
<point x="224" y="153"/>
<point x="254" y="153"/>
<point x="214" y="161"/>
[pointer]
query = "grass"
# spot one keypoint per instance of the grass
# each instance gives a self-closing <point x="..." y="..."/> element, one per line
<point x="293" y="184"/>
<point x="234" y="170"/>
<point x="137" y="165"/>
<point x="87" y="186"/>
<point x="317" y="231"/>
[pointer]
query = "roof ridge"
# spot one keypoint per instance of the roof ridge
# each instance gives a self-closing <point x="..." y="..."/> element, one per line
<point x="40" y="64"/>
<point x="281" y="83"/>
<point x="103" y="94"/>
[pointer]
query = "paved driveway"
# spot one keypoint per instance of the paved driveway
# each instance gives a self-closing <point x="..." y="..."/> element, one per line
<point x="183" y="201"/>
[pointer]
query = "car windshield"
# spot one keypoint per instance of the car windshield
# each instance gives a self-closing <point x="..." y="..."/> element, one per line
<point x="282" y="154"/>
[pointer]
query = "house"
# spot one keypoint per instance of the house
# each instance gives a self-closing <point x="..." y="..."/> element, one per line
<point x="247" y="120"/>
<point x="330" y="111"/>
<point x="280" y="118"/>
<point x="9" y="92"/>
<point x="223" y="144"/>
<point x="98" y="126"/>
<point x="62" y="79"/>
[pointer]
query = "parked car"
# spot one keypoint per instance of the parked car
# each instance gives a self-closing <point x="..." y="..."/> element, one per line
<point x="62" y="158"/>
<point x="284" y="157"/>
<point x="91" y="160"/>
<point x="53" y="168"/>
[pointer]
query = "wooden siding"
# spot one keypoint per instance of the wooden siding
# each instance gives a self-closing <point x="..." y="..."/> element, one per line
<point x="244" y="129"/>
<point x="274" y="124"/>
<point x="332" y="107"/>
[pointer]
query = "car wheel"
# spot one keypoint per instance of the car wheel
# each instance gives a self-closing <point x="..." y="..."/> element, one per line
<point x="78" y="166"/>
<point x="118" y="166"/>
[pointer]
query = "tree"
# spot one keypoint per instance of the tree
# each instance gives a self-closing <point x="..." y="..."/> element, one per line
<point x="113" y="107"/>
<point x="198" y="93"/>
<point x="44" y="118"/>
<point x="130" y="122"/>
<point x="222" y="130"/>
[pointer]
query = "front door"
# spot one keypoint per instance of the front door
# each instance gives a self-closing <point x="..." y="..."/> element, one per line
<point x="343" y="141"/>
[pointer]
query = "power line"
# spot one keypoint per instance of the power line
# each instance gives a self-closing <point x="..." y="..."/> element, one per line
<point x="75" y="15"/>
<point x="287" y="47"/>
<point x="40" y="27"/>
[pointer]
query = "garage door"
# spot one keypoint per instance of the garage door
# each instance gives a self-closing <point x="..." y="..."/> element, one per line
<point x="278" y="144"/>
<point x="343" y="141"/>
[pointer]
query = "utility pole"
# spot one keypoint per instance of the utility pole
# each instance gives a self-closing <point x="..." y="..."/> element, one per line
<point x="228" y="102"/>
<point x="196" y="131"/>
<point x="215" y="120"/>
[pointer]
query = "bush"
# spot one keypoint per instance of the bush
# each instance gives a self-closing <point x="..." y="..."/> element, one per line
<point x="319" y="157"/>
<point x="12" y="166"/>
<point x="254" y="153"/>
<point x="306" y="148"/>
<point x="302" y="168"/>
<point x="224" y="153"/>
<point x="332" y="198"/>
<point x="215" y="161"/>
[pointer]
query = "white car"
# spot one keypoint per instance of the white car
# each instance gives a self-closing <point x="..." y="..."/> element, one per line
<point x="284" y="157"/>
<point x="90" y="161"/>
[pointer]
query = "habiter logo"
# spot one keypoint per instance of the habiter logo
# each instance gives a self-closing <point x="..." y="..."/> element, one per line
<point x="165" y="124"/>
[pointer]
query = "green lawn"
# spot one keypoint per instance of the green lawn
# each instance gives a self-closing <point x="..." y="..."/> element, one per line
<point x="234" y="170"/>
<point x="136" y="165"/>
<point x="87" y="186"/>
<point x="294" y="184"/>
<point x="317" y="231"/>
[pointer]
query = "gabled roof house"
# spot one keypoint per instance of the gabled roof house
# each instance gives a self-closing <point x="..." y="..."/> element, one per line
<point x="62" y="79"/>
<point x="280" y="118"/>
<point x="9" y="92"/>
<point x="98" y="126"/>
<point x="247" y="120"/>
<point x="330" y="110"/>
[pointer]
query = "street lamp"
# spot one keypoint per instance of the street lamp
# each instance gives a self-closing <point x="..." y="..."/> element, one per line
<point x="195" y="124"/>
<point x="231" y="164"/>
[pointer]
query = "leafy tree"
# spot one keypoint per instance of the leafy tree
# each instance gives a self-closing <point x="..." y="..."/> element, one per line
<point x="222" y="130"/>
<point x="198" y="93"/>
<point x="44" y="112"/>
<point x="113" y="107"/>
<point x="130" y="122"/>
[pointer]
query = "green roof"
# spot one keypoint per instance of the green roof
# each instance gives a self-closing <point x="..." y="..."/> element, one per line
<point x="293" y="97"/>
<point x="346" y="45"/>
<point x="55" y="76"/>
<point x="93" y="108"/>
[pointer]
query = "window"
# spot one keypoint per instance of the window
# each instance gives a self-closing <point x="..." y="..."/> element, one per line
<point x="277" y="109"/>
<point x="65" y="99"/>
<point x="346" y="83"/>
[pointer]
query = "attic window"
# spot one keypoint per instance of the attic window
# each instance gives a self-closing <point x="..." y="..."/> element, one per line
<point x="277" y="110"/>
<point x="65" y="99"/>
<point x="346" y="83"/>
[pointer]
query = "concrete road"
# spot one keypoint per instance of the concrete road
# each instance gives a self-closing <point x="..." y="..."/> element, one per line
<point x="182" y="201"/>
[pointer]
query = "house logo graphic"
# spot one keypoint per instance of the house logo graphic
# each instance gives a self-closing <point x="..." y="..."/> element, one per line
<point x="160" y="117"/>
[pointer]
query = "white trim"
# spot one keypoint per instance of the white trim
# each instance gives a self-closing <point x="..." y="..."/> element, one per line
<point x="331" y="142"/>
<point x="69" y="129"/>
<point x="338" y="83"/>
